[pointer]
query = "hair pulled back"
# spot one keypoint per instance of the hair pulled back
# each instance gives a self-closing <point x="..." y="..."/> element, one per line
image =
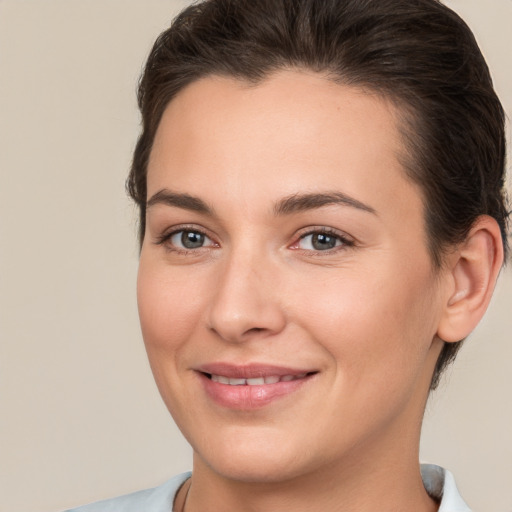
<point x="417" y="53"/>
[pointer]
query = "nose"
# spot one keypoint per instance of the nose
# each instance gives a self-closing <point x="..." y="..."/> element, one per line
<point x="246" y="302"/>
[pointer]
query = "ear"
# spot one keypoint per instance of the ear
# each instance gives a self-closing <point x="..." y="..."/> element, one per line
<point x="471" y="275"/>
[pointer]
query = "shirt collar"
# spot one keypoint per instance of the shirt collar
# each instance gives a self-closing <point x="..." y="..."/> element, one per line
<point x="440" y="484"/>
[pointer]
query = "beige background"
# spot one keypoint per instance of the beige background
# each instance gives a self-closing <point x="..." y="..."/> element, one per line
<point x="80" y="416"/>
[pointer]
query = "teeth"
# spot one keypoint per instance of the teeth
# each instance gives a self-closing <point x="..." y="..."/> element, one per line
<point x="236" y="382"/>
<point x="220" y="378"/>
<point x="256" y="381"/>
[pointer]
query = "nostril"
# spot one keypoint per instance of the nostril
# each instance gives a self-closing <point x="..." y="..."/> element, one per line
<point x="240" y="320"/>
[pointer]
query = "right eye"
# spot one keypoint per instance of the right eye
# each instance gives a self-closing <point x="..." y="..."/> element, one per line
<point x="186" y="240"/>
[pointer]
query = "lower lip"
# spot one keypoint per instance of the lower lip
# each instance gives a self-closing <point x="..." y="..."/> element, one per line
<point x="247" y="397"/>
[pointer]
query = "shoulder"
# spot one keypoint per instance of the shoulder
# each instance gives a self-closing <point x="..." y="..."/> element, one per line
<point x="157" y="499"/>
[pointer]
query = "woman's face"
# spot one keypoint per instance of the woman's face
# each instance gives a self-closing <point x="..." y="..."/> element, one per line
<point x="287" y="298"/>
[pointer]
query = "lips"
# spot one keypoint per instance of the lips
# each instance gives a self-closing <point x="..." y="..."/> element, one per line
<point x="256" y="381"/>
<point x="250" y="386"/>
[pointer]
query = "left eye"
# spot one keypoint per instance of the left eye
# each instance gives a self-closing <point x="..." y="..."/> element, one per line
<point x="320" y="241"/>
<point x="187" y="239"/>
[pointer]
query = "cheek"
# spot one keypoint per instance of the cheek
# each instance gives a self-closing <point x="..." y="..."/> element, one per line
<point x="375" y="325"/>
<point x="169" y="305"/>
<point x="169" y="312"/>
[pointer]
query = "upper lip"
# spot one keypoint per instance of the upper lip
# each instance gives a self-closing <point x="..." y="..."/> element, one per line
<point x="250" y="371"/>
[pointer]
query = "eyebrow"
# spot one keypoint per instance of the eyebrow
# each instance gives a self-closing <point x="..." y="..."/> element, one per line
<point x="303" y="202"/>
<point x="179" y="200"/>
<point x="286" y="206"/>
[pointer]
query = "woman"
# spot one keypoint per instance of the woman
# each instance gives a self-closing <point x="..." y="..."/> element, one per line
<point x="322" y="223"/>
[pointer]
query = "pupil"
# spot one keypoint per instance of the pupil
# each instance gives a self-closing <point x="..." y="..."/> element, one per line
<point x="322" y="241"/>
<point x="192" y="240"/>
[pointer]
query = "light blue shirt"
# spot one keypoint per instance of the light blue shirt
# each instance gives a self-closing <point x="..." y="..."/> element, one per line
<point x="438" y="482"/>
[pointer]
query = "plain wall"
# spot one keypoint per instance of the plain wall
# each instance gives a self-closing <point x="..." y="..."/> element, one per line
<point x="80" y="416"/>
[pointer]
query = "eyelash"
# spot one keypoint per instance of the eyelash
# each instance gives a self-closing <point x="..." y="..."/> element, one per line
<point x="165" y="238"/>
<point x="345" y="242"/>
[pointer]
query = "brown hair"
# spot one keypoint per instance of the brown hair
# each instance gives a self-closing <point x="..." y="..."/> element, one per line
<point x="418" y="53"/>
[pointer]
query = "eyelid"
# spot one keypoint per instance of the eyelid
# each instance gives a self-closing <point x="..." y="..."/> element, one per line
<point x="165" y="237"/>
<point x="345" y="239"/>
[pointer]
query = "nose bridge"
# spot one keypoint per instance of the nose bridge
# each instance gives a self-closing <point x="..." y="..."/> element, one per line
<point x="243" y="304"/>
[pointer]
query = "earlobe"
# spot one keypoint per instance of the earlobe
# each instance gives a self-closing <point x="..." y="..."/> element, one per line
<point x="473" y="270"/>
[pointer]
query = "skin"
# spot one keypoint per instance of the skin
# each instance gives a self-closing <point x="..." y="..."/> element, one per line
<point x="364" y="315"/>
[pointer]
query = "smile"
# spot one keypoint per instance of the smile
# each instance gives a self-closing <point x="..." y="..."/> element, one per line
<point x="256" y="381"/>
<point x="253" y="386"/>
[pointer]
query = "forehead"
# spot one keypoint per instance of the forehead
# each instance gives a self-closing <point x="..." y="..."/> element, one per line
<point x="295" y="131"/>
<point x="304" y="103"/>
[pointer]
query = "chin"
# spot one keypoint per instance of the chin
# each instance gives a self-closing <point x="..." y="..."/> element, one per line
<point x="255" y="471"/>
<point x="256" y="457"/>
